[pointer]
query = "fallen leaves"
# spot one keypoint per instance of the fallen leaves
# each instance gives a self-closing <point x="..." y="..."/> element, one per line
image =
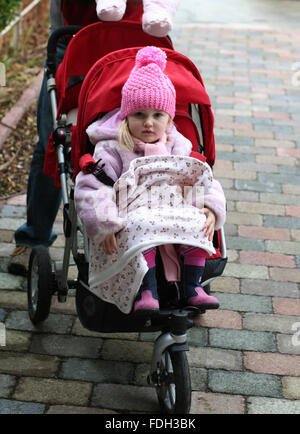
<point x="22" y="67"/>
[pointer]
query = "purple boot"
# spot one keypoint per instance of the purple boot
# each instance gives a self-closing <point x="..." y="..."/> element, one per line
<point x="193" y="291"/>
<point x="146" y="301"/>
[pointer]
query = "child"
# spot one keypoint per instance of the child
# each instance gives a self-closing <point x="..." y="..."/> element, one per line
<point x="140" y="146"/>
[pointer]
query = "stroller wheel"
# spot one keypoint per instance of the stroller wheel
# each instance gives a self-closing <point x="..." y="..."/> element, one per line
<point x="174" y="385"/>
<point x="40" y="284"/>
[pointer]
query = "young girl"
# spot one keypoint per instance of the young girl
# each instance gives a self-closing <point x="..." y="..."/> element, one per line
<point x="142" y="150"/>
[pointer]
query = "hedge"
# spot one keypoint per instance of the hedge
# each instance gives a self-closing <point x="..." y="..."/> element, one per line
<point x="8" y="10"/>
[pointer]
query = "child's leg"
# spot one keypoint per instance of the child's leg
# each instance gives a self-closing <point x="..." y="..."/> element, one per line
<point x="193" y="263"/>
<point x="147" y="298"/>
<point x="158" y="16"/>
<point x="110" y="10"/>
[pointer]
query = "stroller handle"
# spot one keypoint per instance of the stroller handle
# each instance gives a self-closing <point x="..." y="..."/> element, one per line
<point x="52" y="44"/>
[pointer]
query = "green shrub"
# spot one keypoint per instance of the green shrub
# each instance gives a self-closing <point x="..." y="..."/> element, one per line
<point x="8" y="10"/>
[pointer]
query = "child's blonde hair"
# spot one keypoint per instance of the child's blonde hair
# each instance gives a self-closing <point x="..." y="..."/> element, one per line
<point x="125" y="137"/>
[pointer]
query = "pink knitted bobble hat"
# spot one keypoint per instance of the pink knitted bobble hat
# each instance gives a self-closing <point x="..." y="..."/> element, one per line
<point x="147" y="86"/>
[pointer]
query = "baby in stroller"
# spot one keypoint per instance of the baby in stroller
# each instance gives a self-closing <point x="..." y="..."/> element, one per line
<point x="139" y="148"/>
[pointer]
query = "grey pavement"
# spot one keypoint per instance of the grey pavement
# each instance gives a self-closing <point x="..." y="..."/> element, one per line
<point x="245" y="357"/>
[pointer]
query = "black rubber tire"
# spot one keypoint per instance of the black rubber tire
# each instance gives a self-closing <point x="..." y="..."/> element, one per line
<point x="40" y="284"/>
<point x="177" y="384"/>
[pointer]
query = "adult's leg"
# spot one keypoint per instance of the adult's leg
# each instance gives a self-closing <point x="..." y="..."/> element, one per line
<point x="43" y="198"/>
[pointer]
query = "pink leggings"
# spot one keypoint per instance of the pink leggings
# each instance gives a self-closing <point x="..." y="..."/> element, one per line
<point x="191" y="255"/>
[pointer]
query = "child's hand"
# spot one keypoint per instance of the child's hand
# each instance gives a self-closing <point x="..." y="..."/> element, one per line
<point x="109" y="244"/>
<point x="210" y="222"/>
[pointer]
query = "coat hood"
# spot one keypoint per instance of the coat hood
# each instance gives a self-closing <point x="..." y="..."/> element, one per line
<point x="106" y="128"/>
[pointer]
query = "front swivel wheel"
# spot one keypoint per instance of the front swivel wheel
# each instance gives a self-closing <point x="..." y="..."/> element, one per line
<point x="174" y="384"/>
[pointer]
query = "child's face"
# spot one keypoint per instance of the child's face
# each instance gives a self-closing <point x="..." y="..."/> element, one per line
<point x="148" y="125"/>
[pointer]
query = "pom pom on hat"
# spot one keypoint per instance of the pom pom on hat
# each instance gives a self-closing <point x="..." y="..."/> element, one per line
<point x="148" y="87"/>
<point x="151" y="55"/>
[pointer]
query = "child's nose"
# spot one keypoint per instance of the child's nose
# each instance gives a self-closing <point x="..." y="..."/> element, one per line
<point x="148" y="122"/>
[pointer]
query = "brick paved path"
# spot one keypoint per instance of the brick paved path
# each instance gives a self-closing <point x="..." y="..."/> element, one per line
<point x="245" y="357"/>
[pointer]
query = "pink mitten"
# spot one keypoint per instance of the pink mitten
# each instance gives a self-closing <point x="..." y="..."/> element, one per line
<point x="158" y="16"/>
<point x="110" y="10"/>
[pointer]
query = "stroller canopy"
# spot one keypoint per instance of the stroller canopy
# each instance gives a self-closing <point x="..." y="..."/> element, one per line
<point x="98" y="61"/>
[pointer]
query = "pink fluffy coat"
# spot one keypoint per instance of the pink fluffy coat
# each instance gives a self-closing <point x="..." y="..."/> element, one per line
<point x="116" y="278"/>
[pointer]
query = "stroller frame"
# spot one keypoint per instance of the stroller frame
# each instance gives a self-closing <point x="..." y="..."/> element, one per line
<point x="169" y="370"/>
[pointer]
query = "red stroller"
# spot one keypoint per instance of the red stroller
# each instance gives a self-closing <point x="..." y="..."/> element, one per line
<point x="90" y="78"/>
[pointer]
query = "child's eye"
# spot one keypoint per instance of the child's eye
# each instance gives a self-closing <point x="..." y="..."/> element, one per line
<point x="158" y="115"/>
<point x="138" y="114"/>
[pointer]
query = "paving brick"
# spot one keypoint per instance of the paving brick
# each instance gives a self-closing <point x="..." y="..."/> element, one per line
<point x="28" y="364"/>
<point x="295" y="235"/>
<point x="244" y="219"/>
<point x="293" y="211"/>
<point x="67" y="346"/>
<point x="7" y="383"/>
<point x="8" y="406"/>
<point x="97" y="371"/>
<point x="68" y="307"/>
<point x="67" y="409"/>
<point x="225" y="284"/>
<point x="291" y="389"/>
<point x="245" y="303"/>
<point x="198" y="378"/>
<point x="283" y="275"/>
<point x="17" y="340"/>
<point x="137" y="352"/>
<point x="240" y="243"/>
<point x="255" y="167"/>
<point x="269" y="322"/>
<point x="13" y="211"/>
<point x="276" y="364"/>
<point x="197" y="337"/>
<point x="260" y="208"/>
<point x="216" y="358"/>
<point x="13" y="299"/>
<point x="282" y="222"/>
<point x="9" y="281"/>
<point x="234" y="174"/>
<point x="258" y="405"/>
<point x="267" y="159"/>
<point x="270" y="233"/>
<point x="241" y="195"/>
<point x="268" y="259"/>
<point x="284" y="199"/>
<point x="227" y="319"/>
<point x="55" y="323"/>
<point x="259" y="186"/>
<point x="286" y="247"/>
<point x="121" y="397"/>
<point x="289" y="344"/>
<point x="269" y="287"/>
<point x="53" y="391"/>
<point x="285" y="306"/>
<point x="246" y="271"/>
<point x="216" y="403"/>
<point x="242" y="340"/>
<point x="244" y="383"/>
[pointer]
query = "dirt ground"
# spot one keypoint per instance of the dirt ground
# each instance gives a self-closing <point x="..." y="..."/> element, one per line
<point x="22" y="65"/>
